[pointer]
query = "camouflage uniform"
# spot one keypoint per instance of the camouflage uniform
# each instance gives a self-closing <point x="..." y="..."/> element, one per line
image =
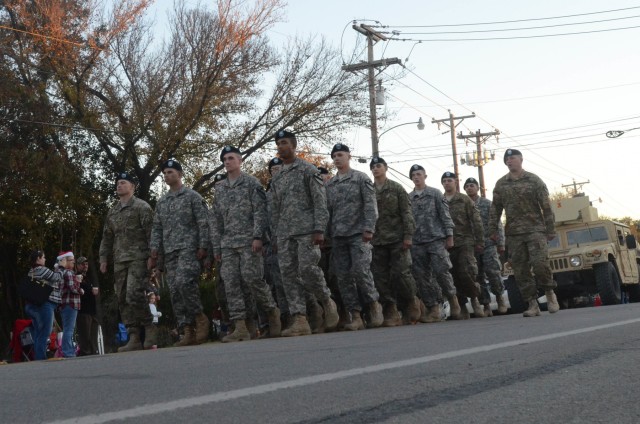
<point x="299" y="211"/>
<point x="271" y="264"/>
<point x="429" y="255"/>
<point x="125" y="238"/>
<point x="352" y="207"/>
<point x="391" y="265"/>
<point x="467" y="234"/>
<point x="488" y="261"/>
<point x="240" y="217"/>
<point x="180" y="228"/>
<point x="530" y="220"/>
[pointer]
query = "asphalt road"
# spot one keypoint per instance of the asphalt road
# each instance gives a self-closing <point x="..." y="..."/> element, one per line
<point x="577" y="366"/>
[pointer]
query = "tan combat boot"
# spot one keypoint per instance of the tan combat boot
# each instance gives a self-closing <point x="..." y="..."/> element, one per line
<point x="552" y="301"/>
<point x="331" y="316"/>
<point x="240" y="333"/>
<point x="375" y="314"/>
<point x="534" y="309"/>
<point x="502" y="305"/>
<point x="189" y="337"/>
<point x="478" y="310"/>
<point x="150" y="336"/>
<point x="434" y="314"/>
<point x="300" y="327"/>
<point x="275" y="327"/>
<point x="202" y="328"/>
<point x="487" y="311"/>
<point x="414" y="310"/>
<point x="315" y="318"/>
<point x="464" y="312"/>
<point x="391" y="316"/>
<point x="455" y="307"/>
<point x="252" y="328"/>
<point x="355" y="323"/>
<point x="134" y="342"/>
<point x="424" y="312"/>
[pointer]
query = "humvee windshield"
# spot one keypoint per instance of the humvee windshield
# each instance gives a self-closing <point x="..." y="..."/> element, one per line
<point x="555" y="243"/>
<point x="587" y="235"/>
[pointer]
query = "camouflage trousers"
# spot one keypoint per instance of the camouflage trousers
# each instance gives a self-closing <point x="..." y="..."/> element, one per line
<point x="130" y="285"/>
<point x="241" y="266"/>
<point x="430" y="268"/>
<point x="298" y="258"/>
<point x="183" y="276"/>
<point x="489" y="265"/>
<point x="391" y="268"/>
<point x="351" y="260"/>
<point x="464" y="272"/>
<point x="530" y="252"/>
<point x="274" y="279"/>
<point x="221" y="296"/>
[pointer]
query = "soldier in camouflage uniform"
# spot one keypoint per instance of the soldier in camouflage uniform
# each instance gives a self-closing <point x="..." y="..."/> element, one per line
<point x="488" y="261"/>
<point x="468" y="240"/>
<point x="392" y="240"/>
<point x="181" y="232"/>
<point x="353" y="213"/>
<point x="125" y="241"/>
<point x="530" y="224"/>
<point x="300" y="218"/>
<point x="432" y="238"/>
<point x="239" y="224"/>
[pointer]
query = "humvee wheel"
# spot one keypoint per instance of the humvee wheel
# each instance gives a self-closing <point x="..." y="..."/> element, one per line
<point x="608" y="283"/>
<point x="518" y="305"/>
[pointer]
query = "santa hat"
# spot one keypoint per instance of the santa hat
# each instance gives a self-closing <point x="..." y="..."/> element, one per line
<point x="63" y="255"/>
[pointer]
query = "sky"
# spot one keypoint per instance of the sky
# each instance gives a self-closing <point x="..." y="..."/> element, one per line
<point x="551" y="97"/>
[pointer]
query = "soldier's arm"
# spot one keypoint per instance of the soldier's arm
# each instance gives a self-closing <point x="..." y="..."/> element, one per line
<point x="476" y="223"/>
<point x="106" y="244"/>
<point x="260" y="219"/>
<point x="442" y="208"/>
<point x="408" y="222"/>
<point x="495" y="213"/>
<point x="155" y="243"/>
<point x="275" y="213"/>
<point x="146" y="220"/>
<point x="216" y="226"/>
<point x="547" y="212"/>
<point x="368" y="194"/>
<point x="319" y="200"/>
<point x="201" y="214"/>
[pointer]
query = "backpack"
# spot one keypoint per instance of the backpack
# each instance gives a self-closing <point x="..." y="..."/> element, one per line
<point x="122" y="336"/>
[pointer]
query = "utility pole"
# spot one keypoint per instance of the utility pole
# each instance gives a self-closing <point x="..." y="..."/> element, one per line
<point x="479" y="159"/>
<point x="452" y="127"/>
<point x="574" y="192"/>
<point x="370" y="66"/>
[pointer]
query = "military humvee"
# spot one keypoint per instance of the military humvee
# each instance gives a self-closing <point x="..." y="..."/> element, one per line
<point x="589" y="257"/>
<point x="592" y="256"/>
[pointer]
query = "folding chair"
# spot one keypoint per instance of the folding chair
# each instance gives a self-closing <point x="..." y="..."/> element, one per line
<point x="26" y="342"/>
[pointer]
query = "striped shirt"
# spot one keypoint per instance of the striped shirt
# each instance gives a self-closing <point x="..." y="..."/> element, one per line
<point x="52" y="278"/>
<point x="70" y="290"/>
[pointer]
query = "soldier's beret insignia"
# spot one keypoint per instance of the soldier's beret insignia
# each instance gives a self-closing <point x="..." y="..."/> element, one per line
<point x="170" y="163"/>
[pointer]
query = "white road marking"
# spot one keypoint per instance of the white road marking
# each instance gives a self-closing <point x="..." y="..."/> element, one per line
<point x="151" y="409"/>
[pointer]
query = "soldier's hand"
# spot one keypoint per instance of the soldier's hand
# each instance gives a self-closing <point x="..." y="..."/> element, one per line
<point x="152" y="263"/>
<point x="103" y="267"/>
<point x="367" y="236"/>
<point x="274" y="248"/>
<point x="217" y="257"/>
<point x="256" y="246"/>
<point x="449" y="243"/>
<point x="318" y="239"/>
<point x="550" y="237"/>
<point x="494" y="237"/>
<point x="201" y="254"/>
<point x="406" y="244"/>
<point x="501" y="249"/>
<point x="479" y="248"/>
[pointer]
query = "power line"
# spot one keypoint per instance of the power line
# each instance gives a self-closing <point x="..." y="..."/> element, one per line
<point x="513" y="21"/>
<point x="514" y="37"/>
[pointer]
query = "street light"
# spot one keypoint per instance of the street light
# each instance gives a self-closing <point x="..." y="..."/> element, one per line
<point x="618" y="133"/>
<point x="419" y="122"/>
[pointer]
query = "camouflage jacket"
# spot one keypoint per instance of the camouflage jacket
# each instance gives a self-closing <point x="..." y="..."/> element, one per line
<point x="484" y="207"/>
<point x="299" y="200"/>
<point x="180" y="222"/>
<point x="468" y="229"/>
<point x="525" y="201"/>
<point x="239" y="213"/>
<point x="126" y="232"/>
<point x="395" y="220"/>
<point x="351" y="200"/>
<point x="431" y="213"/>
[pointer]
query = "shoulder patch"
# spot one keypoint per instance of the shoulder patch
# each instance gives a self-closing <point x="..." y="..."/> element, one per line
<point x="318" y="179"/>
<point x="369" y="185"/>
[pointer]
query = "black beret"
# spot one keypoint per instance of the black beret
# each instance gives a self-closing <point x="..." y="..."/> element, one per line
<point x="173" y="164"/>
<point x="511" y="152"/>
<point x="126" y="176"/>
<point x="416" y="168"/>
<point x="219" y="177"/>
<point x="284" y="134"/>
<point x="323" y="170"/>
<point x="375" y="160"/>
<point x="228" y="149"/>
<point x="274" y="162"/>
<point x="448" y="175"/>
<point x="340" y="148"/>
<point x="471" y="180"/>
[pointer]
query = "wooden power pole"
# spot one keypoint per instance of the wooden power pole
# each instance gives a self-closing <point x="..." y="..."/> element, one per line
<point x="479" y="159"/>
<point x="450" y="122"/>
